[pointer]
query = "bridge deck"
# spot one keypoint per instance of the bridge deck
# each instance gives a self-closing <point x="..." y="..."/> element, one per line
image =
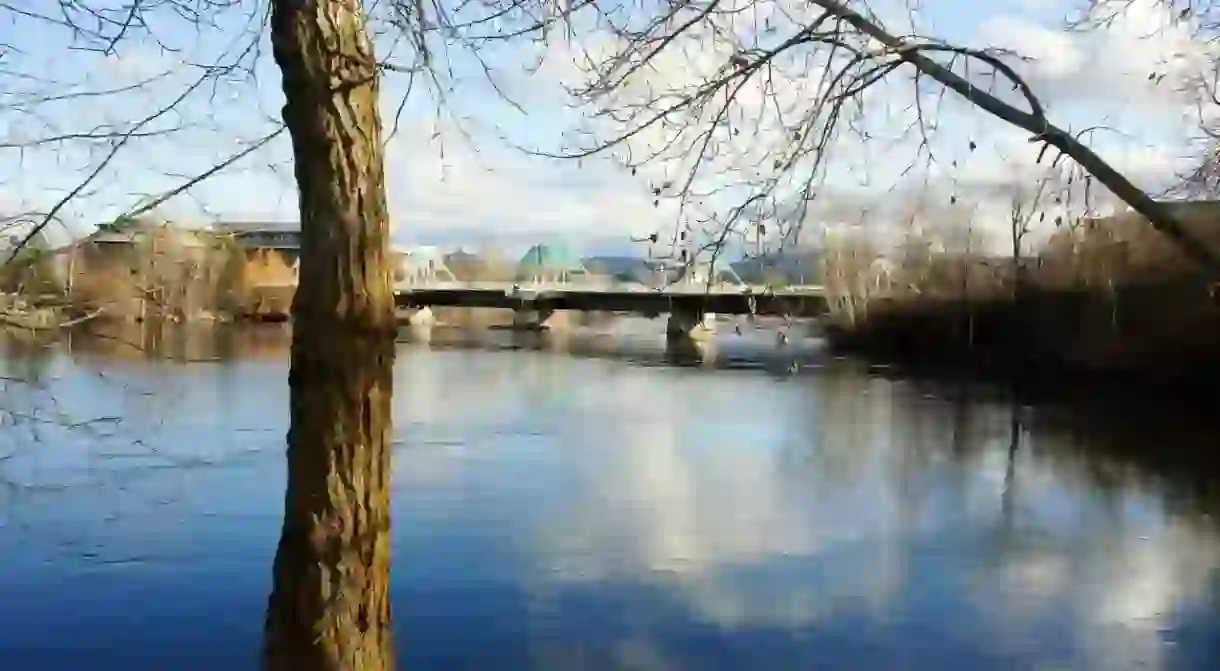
<point x="604" y="286"/>
<point x="792" y="301"/>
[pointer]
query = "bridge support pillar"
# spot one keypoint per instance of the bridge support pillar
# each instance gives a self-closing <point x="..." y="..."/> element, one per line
<point x="420" y="316"/>
<point x="420" y="321"/>
<point x="690" y="325"/>
<point x="536" y="319"/>
<point x="688" y="334"/>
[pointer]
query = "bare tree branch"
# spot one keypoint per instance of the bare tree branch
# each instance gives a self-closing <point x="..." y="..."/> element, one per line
<point x="834" y="53"/>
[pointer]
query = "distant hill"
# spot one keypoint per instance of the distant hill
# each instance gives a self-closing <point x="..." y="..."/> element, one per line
<point x="611" y="264"/>
<point x="798" y="266"/>
<point x="512" y="244"/>
<point x="612" y="254"/>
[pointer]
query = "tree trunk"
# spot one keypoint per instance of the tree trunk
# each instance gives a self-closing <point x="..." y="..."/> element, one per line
<point x="329" y="607"/>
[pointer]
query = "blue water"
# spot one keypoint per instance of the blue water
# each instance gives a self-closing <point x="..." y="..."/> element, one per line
<point x="560" y="511"/>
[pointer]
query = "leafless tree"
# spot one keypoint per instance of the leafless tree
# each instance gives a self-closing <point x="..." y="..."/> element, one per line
<point x="1024" y="208"/>
<point x="1194" y="72"/>
<point x="777" y="86"/>
<point x="771" y="87"/>
<point x="832" y="54"/>
<point x="90" y="126"/>
<point x="789" y="79"/>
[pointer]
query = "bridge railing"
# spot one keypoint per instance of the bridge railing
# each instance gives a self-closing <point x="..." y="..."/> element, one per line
<point x="585" y="285"/>
<point x="580" y="285"/>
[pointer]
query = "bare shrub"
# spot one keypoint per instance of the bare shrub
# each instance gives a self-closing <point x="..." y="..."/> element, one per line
<point x="848" y="265"/>
<point x="163" y="273"/>
<point x="1124" y="248"/>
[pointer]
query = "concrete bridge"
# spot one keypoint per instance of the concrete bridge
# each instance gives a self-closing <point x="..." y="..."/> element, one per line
<point x="691" y="307"/>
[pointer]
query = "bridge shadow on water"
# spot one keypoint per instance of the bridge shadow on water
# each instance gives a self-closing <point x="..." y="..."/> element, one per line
<point x="778" y="349"/>
<point x="558" y="505"/>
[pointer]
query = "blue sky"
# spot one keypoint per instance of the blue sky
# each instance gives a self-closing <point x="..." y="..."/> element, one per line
<point x="446" y="182"/>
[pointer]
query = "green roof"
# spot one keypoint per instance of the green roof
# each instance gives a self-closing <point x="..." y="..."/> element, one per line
<point x="548" y="258"/>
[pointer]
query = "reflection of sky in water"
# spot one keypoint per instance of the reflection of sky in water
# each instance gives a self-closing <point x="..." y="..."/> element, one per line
<point x="552" y="512"/>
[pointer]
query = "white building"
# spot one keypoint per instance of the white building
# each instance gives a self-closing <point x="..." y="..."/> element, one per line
<point x="421" y="265"/>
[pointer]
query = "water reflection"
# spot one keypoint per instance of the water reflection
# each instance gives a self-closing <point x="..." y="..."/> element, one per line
<point x="329" y="608"/>
<point x="643" y="341"/>
<point x="557" y="512"/>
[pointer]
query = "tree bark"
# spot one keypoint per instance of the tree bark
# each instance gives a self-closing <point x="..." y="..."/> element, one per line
<point x="329" y="608"/>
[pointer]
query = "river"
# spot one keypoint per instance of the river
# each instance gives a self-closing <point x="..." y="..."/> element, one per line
<point x="587" y="505"/>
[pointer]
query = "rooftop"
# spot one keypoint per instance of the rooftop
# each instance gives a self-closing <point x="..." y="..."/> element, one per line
<point x="240" y="227"/>
<point x="549" y="257"/>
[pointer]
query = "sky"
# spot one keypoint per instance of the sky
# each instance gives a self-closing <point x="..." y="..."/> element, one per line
<point x="460" y="172"/>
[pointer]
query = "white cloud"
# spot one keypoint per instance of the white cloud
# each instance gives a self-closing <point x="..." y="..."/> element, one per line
<point x="1142" y="126"/>
<point x="433" y="181"/>
<point x="857" y="479"/>
<point x="1141" y="59"/>
<point x="490" y="185"/>
<point x="685" y="511"/>
<point x="484" y="184"/>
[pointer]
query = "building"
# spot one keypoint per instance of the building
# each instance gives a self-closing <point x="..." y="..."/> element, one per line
<point x="131" y="241"/>
<point x="272" y="250"/>
<point x="626" y="269"/>
<point x="549" y="263"/>
<point x="282" y="236"/>
<point x="420" y="264"/>
<point x="465" y="265"/>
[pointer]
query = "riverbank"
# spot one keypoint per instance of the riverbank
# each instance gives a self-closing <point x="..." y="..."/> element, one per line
<point x="1165" y="333"/>
<point x="1106" y="299"/>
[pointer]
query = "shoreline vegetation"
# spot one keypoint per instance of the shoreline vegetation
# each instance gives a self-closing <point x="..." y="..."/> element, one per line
<point x="1106" y="299"/>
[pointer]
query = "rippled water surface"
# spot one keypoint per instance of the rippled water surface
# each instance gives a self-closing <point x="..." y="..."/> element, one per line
<point x="583" y="505"/>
